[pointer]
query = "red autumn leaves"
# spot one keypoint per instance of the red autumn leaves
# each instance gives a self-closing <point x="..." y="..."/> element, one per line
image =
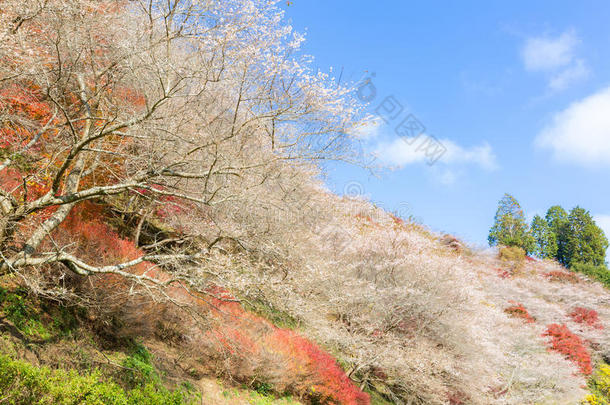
<point x="561" y="339"/>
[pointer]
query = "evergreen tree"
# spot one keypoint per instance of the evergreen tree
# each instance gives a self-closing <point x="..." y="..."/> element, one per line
<point x="585" y="241"/>
<point x="557" y="220"/>
<point x="571" y="239"/>
<point x="545" y="237"/>
<point x="510" y="227"/>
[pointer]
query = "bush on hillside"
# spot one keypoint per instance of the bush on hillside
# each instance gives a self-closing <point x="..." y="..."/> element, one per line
<point x="264" y="355"/>
<point x="514" y="256"/>
<point x="599" y="273"/>
<point x="587" y="316"/>
<point x="561" y="276"/>
<point x="517" y="310"/>
<point x="21" y="383"/>
<point x="563" y="341"/>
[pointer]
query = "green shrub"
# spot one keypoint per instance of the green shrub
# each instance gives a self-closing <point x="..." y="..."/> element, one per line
<point x="139" y="370"/>
<point x="263" y="388"/>
<point x="22" y="383"/>
<point x="600" y="273"/>
<point x="279" y="318"/>
<point x="65" y="319"/>
<point x="17" y="309"/>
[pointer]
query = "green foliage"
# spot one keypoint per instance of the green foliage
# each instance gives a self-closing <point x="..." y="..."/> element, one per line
<point x="279" y="318"/>
<point x="139" y="370"/>
<point x="600" y="273"/>
<point x="545" y="237"/>
<point x="585" y="242"/>
<point x="569" y="238"/>
<point x="557" y="220"/>
<point x="17" y="309"/>
<point x="510" y="227"/>
<point x="65" y="319"/>
<point x="22" y="383"/>
<point x="24" y="312"/>
<point x="263" y="388"/>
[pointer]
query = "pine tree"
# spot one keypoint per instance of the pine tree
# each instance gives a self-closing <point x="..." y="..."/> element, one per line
<point x="545" y="237"/>
<point x="557" y="220"/>
<point x="510" y="227"/>
<point x="585" y="241"/>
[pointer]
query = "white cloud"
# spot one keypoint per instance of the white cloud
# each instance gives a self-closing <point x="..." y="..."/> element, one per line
<point x="571" y="74"/>
<point x="580" y="134"/>
<point x="545" y="53"/>
<point x="555" y="57"/>
<point x="447" y="175"/>
<point x="401" y="152"/>
<point x="481" y="155"/>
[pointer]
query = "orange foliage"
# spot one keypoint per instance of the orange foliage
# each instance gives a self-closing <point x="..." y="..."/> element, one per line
<point x="328" y="382"/>
<point x="562" y="276"/>
<point x="236" y="334"/>
<point x="517" y="310"/>
<point x="303" y="365"/>
<point x="586" y="316"/>
<point x="93" y="240"/>
<point x="502" y="273"/>
<point x="130" y="96"/>
<point x="24" y="100"/>
<point x="570" y="345"/>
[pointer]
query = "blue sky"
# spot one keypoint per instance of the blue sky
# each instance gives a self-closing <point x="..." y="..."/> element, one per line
<point x="517" y="92"/>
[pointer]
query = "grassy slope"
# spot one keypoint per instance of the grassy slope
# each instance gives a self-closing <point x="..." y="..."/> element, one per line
<point x="54" y="355"/>
<point x="522" y="368"/>
<point x="549" y="293"/>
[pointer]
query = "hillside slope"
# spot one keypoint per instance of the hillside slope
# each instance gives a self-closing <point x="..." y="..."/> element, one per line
<point x="420" y="317"/>
<point x="411" y="316"/>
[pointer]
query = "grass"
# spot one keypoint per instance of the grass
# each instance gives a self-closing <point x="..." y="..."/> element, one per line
<point x="24" y="383"/>
<point x="41" y="323"/>
<point x="279" y="318"/>
<point x="258" y="398"/>
<point x="16" y="307"/>
<point x="377" y="398"/>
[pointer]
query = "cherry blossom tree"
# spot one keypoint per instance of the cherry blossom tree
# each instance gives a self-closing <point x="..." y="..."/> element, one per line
<point x="185" y="111"/>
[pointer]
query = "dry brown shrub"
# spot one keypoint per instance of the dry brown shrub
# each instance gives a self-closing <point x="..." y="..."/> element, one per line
<point x="513" y="257"/>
